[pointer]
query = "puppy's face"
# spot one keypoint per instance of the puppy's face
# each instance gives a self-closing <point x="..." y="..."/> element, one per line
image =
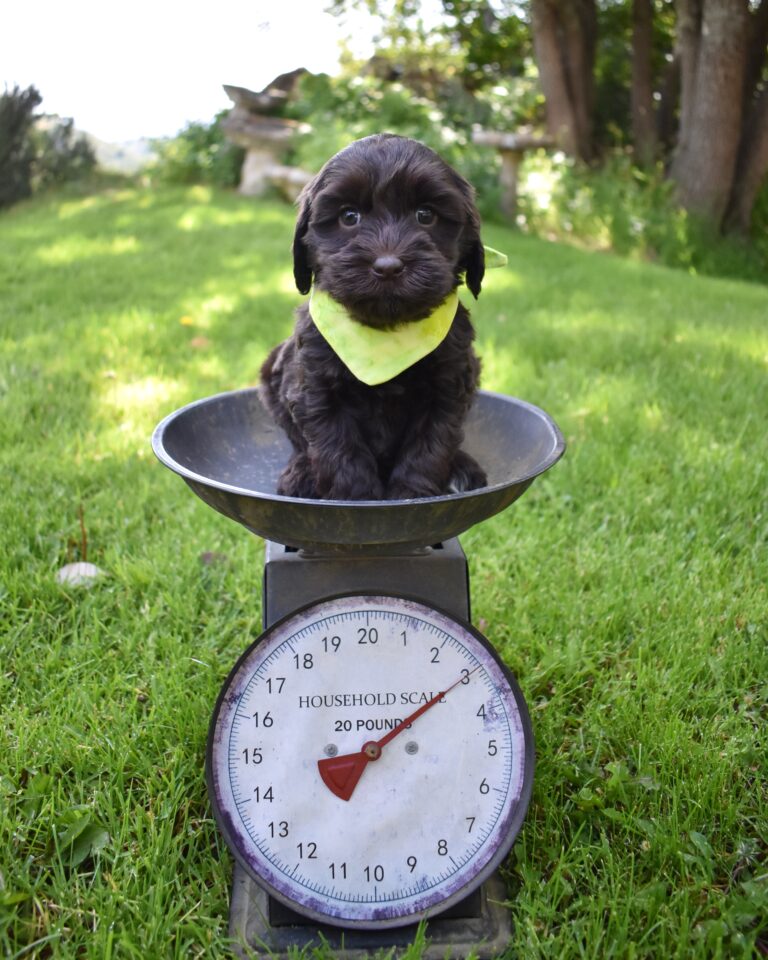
<point x="387" y="229"/>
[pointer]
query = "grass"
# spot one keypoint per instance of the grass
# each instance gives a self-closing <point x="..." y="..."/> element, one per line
<point x="627" y="589"/>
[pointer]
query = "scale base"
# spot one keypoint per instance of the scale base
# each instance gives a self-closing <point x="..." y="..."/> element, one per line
<point x="259" y="926"/>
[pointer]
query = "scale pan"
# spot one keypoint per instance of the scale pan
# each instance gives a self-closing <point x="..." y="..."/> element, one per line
<point x="229" y="452"/>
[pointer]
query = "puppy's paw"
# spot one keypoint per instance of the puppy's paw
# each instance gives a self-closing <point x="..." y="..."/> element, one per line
<point x="356" y="488"/>
<point x="411" y="489"/>
<point x="466" y="474"/>
<point x="297" y="479"/>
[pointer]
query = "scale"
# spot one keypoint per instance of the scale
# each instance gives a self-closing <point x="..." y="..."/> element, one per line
<point x="370" y="757"/>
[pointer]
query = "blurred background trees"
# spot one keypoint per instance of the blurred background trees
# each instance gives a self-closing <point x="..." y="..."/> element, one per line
<point x="682" y="83"/>
<point x="37" y="151"/>
<point x="199" y="154"/>
<point x="17" y="152"/>
<point x="657" y="109"/>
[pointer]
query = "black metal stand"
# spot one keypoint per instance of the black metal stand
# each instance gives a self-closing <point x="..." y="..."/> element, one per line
<point x="259" y="926"/>
<point x="437" y="576"/>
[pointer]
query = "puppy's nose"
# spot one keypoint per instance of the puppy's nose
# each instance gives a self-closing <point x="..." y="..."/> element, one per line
<point x="387" y="265"/>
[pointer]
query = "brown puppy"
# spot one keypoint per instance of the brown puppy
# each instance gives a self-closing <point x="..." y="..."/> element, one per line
<point x="388" y="230"/>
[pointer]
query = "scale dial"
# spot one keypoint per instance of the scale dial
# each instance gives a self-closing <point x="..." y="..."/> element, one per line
<point x="370" y="761"/>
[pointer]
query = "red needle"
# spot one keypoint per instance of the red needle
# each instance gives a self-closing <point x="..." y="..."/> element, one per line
<point x="342" y="774"/>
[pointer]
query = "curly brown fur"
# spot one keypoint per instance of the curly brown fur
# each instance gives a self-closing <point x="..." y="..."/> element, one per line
<point x="361" y="237"/>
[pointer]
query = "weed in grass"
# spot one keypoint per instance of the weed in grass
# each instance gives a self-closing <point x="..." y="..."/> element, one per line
<point x="627" y="589"/>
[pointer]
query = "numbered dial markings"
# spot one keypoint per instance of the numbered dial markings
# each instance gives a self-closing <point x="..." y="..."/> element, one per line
<point x="370" y="760"/>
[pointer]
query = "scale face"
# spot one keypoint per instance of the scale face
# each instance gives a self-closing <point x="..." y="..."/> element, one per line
<point x="370" y="760"/>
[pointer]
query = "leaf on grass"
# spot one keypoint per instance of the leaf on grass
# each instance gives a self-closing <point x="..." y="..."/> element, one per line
<point x="750" y="905"/>
<point x="647" y="826"/>
<point x="619" y="777"/>
<point x="587" y="800"/>
<point x="653" y="892"/>
<point x="73" y="827"/>
<point x="702" y="844"/>
<point x="712" y="932"/>
<point x="620" y="781"/>
<point x="36" y="791"/>
<point x="10" y="898"/>
<point x="78" y="836"/>
<point x="79" y="574"/>
<point x="81" y="838"/>
<point x="93" y="839"/>
<point x="616" y="815"/>
<point x="648" y="783"/>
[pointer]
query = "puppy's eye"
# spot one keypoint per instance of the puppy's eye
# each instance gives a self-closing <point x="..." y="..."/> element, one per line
<point x="425" y="216"/>
<point x="349" y="217"/>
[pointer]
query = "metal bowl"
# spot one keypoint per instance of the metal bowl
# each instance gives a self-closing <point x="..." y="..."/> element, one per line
<point x="231" y="454"/>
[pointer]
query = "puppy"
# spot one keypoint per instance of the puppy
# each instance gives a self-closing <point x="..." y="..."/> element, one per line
<point x="387" y="231"/>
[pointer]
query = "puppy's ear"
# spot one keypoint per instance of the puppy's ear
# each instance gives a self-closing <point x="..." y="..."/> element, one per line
<point x="302" y="268"/>
<point x="474" y="265"/>
<point x="472" y="262"/>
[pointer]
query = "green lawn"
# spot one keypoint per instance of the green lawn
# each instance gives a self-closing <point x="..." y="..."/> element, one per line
<point x="626" y="590"/>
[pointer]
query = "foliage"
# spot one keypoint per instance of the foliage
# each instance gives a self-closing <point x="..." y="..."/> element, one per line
<point x="200" y="153"/>
<point x="61" y="156"/>
<point x="359" y="103"/>
<point x="37" y="152"/>
<point x="490" y="45"/>
<point x="613" y="66"/>
<point x="633" y="212"/>
<point x="591" y="48"/>
<point x="616" y="207"/>
<point x="626" y="589"/>
<point x="495" y="41"/>
<point x="342" y="109"/>
<point x="17" y="152"/>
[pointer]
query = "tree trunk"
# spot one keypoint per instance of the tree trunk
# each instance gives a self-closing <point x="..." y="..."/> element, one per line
<point x="758" y="40"/>
<point x="752" y="166"/>
<point x="579" y="35"/>
<point x="711" y="109"/>
<point x="564" y="44"/>
<point x="643" y="120"/>
<point x="752" y="163"/>
<point x="561" y="123"/>
<point x="687" y="44"/>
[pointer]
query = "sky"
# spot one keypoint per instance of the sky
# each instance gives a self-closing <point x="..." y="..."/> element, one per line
<point x="145" y="69"/>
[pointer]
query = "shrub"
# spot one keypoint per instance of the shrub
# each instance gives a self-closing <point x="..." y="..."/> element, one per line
<point x="200" y="153"/>
<point x="632" y="212"/>
<point x="17" y="150"/>
<point x="60" y="155"/>
<point x="37" y="152"/>
<point x="342" y="109"/>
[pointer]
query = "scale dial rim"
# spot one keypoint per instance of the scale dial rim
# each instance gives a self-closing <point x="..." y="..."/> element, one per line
<point x="515" y="822"/>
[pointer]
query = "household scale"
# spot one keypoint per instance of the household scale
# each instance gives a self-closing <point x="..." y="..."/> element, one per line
<point x="370" y="757"/>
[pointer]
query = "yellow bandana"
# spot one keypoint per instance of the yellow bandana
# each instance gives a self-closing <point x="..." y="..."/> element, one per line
<point x="375" y="356"/>
<point x="494" y="258"/>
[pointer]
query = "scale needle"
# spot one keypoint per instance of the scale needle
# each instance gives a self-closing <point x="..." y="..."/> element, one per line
<point x="342" y="774"/>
